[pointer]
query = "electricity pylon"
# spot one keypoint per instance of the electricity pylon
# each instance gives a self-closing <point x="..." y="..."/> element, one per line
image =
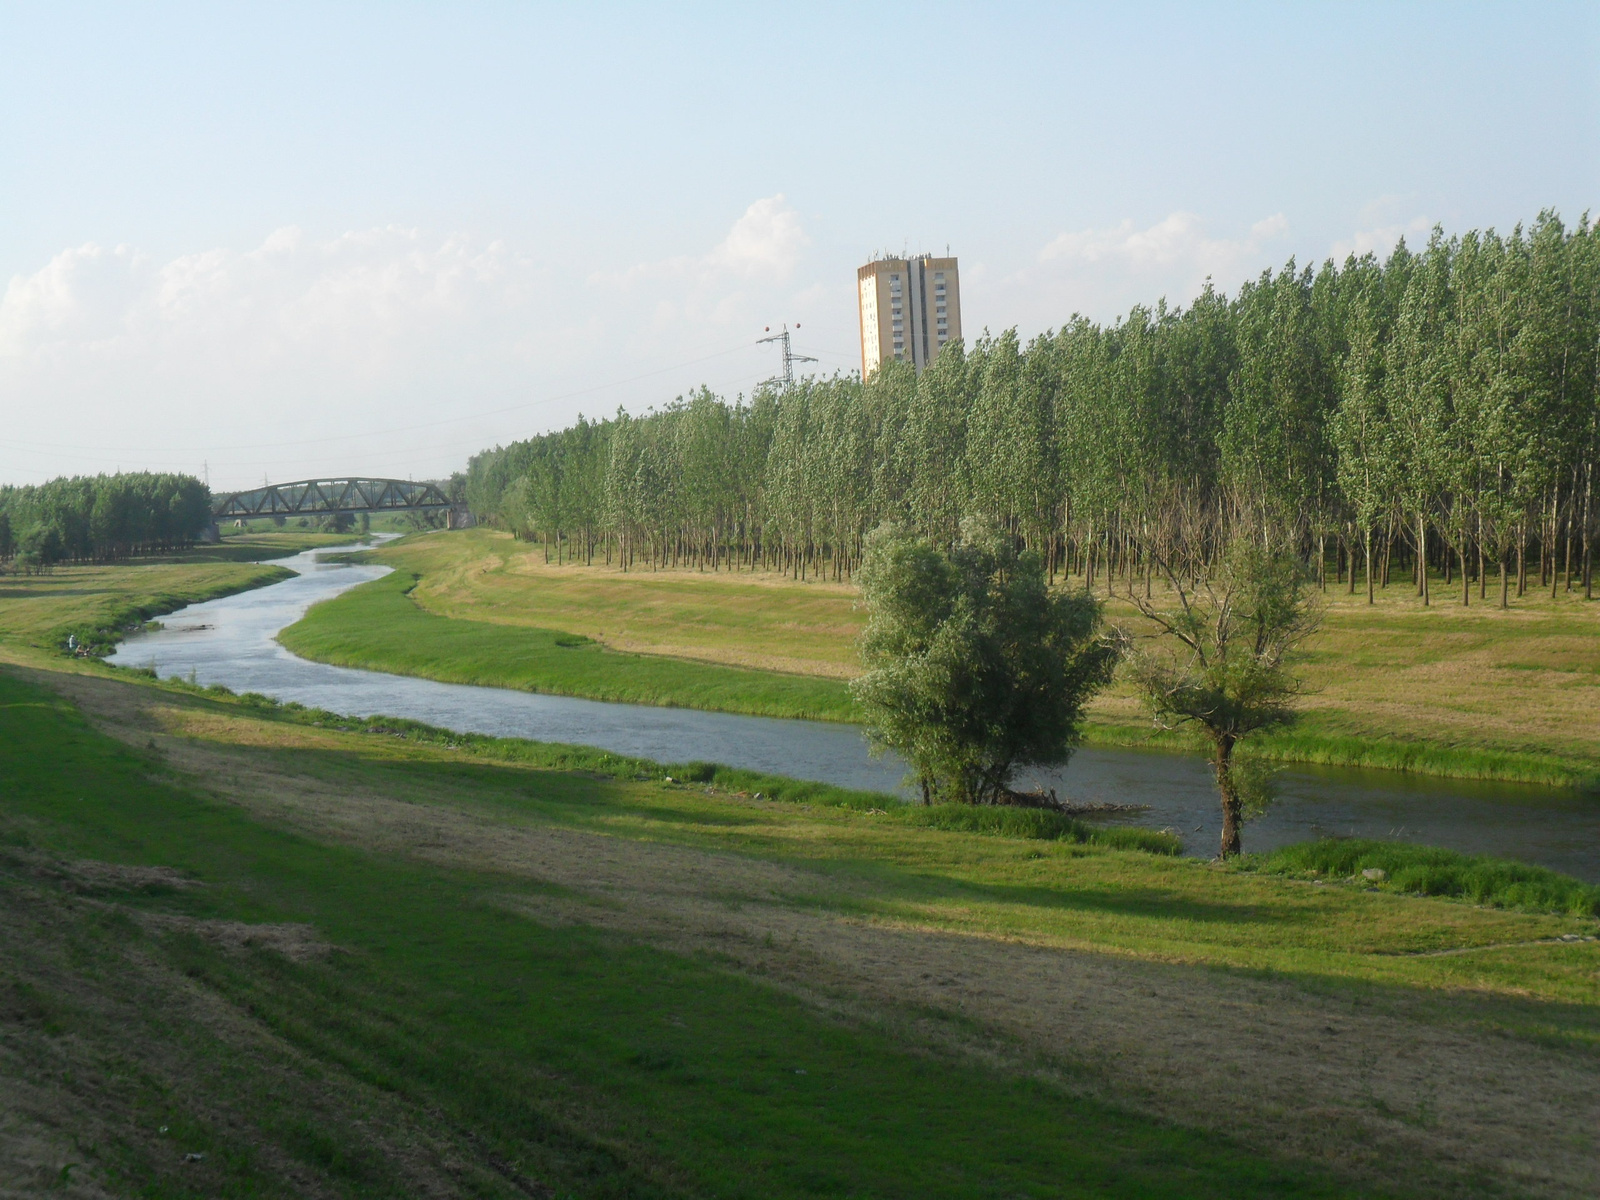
<point x="789" y="357"/>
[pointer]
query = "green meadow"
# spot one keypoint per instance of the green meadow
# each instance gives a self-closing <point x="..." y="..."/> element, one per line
<point x="99" y="603"/>
<point x="351" y="957"/>
<point x="1472" y="693"/>
<point x="549" y="1060"/>
<point x="377" y="625"/>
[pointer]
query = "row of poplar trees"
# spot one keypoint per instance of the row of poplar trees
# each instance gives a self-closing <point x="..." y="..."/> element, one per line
<point x="1435" y="414"/>
<point x="101" y="517"/>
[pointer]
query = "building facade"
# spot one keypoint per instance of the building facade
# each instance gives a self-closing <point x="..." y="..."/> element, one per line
<point x="910" y="307"/>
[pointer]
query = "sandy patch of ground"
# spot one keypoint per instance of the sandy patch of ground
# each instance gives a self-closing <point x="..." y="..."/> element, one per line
<point x="295" y="941"/>
<point x="87" y="875"/>
<point x="1355" y="1077"/>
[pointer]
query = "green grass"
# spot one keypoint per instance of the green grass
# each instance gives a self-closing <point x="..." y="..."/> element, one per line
<point x="1431" y="871"/>
<point x="1466" y="693"/>
<point x="378" y="626"/>
<point x="597" y="1067"/>
<point x="258" y="544"/>
<point x="1314" y="739"/>
<point x="99" y="604"/>
<point x="1041" y="825"/>
<point x="1030" y="823"/>
<point x="895" y="863"/>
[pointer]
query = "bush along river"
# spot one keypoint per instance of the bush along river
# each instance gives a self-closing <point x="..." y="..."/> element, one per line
<point x="231" y="642"/>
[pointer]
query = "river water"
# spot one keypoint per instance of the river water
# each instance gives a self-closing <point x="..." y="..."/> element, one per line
<point x="231" y="642"/>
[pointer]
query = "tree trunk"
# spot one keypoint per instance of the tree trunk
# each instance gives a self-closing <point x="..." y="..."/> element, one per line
<point x="1370" y="600"/>
<point x="1555" y="546"/>
<point x="1422" y="558"/>
<point x="1232" y="807"/>
<point x="1588" y="533"/>
<point x="1483" y="574"/>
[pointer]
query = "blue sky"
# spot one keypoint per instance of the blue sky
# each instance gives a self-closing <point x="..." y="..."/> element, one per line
<point x="297" y="239"/>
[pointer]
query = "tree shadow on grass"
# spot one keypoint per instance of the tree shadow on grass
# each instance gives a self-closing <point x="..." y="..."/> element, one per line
<point x="1126" y="900"/>
<point x="557" y="796"/>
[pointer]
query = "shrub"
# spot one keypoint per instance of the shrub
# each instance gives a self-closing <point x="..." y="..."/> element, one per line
<point x="1433" y="871"/>
<point x="1041" y="825"/>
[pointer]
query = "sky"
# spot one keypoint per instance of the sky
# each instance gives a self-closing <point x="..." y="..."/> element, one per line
<point x="276" y="241"/>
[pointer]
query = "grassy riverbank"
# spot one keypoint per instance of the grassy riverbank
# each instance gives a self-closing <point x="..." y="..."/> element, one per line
<point x="374" y="959"/>
<point x="1475" y="693"/>
<point x="378" y="626"/>
<point x="100" y="603"/>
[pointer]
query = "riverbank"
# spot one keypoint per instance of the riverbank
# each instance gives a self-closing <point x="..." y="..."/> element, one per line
<point x="377" y="626"/>
<point x="98" y="604"/>
<point x="1473" y="694"/>
<point x="576" y="970"/>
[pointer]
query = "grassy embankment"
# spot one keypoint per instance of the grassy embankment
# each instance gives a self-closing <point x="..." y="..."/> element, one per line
<point x="544" y="1056"/>
<point x="378" y="626"/>
<point x="100" y="603"/>
<point x="1471" y="693"/>
<point x="367" y="961"/>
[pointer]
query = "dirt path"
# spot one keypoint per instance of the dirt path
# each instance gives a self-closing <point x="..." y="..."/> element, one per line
<point x="1353" y="1078"/>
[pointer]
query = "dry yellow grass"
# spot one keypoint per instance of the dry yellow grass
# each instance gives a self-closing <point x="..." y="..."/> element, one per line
<point x="763" y="621"/>
<point x="1526" y="680"/>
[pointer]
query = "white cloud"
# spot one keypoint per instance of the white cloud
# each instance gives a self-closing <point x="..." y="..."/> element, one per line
<point x="1179" y="240"/>
<point x="1102" y="272"/>
<point x="767" y="240"/>
<point x="742" y="281"/>
<point x="81" y="296"/>
<point x="110" y="356"/>
<point x="290" y="295"/>
<point x="1380" y="224"/>
<point x="1380" y="240"/>
<point x="764" y="244"/>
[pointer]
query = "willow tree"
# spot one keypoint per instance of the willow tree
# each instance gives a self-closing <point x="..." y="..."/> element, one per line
<point x="1221" y="660"/>
<point x="975" y="667"/>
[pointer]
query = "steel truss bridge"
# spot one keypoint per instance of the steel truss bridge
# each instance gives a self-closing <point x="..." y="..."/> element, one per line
<point x="324" y="497"/>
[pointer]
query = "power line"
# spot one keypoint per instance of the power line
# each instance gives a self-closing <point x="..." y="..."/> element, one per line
<point x="789" y="356"/>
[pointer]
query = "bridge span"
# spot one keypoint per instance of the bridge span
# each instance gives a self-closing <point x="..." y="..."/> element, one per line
<point x="327" y="497"/>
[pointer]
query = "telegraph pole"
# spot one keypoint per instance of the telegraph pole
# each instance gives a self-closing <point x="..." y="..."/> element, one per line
<point x="789" y="356"/>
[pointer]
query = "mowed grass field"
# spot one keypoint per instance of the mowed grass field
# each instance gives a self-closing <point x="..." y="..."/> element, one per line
<point x="378" y="625"/>
<point x="372" y="959"/>
<point x="1475" y="692"/>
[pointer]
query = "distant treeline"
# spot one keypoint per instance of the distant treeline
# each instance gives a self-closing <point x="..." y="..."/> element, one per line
<point x="1438" y="407"/>
<point x="101" y="517"/>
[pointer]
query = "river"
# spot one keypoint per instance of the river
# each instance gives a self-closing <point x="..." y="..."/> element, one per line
<point x="232" y="642"/>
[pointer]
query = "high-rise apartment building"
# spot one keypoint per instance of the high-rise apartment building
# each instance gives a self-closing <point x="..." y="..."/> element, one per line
<point x="910" y="307"/>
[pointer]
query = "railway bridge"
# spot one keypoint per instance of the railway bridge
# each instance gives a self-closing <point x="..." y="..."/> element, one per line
<point x="329" y="497"/>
